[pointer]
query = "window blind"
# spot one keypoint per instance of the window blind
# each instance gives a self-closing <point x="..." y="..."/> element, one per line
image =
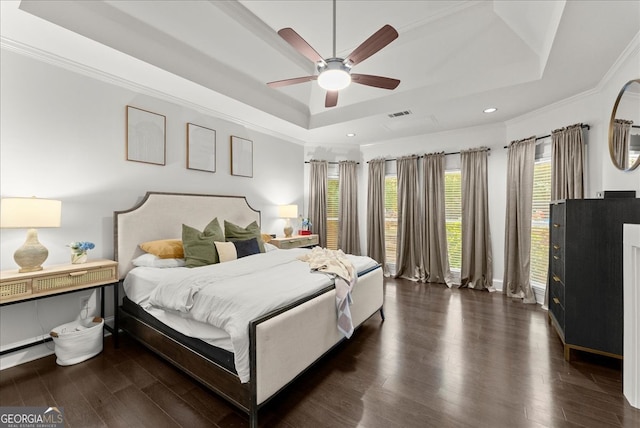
<point x="390" y="217"/>
<point x="453" y="215"/>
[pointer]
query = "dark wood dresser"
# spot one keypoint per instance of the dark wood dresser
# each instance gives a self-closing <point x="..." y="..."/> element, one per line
<point x="585" y="272"/>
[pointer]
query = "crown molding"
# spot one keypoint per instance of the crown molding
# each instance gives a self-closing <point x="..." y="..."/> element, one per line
<point x="94" y="73"/>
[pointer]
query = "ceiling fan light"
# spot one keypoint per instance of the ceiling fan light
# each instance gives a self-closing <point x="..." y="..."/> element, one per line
<point x="334" y="80"/>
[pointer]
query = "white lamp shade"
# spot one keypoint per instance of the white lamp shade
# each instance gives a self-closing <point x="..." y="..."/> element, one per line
<point x="29" y="213"/>
<point x="288" y="211"/>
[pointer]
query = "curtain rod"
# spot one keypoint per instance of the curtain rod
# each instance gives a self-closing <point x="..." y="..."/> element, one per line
<point x="547" y="136"/>
<point x="333" y="163"/>
<point x="421" y="156"/>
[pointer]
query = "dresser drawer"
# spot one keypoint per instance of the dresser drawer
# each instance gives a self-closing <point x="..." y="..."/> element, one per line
<point x="295" y="241"/>
<point x="74" y="279"/>
<point x="556" y="302"/>
<point x="15" y="289"/>
<point x="556" y="269"/>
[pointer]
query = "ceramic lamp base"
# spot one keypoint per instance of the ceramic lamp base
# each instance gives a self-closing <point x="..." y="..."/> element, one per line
<point x="32" y="253"/>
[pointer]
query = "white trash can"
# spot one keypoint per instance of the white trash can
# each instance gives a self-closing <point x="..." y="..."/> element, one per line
<point x="78" y="341"/>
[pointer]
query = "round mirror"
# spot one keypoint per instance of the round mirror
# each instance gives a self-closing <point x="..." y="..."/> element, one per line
<point x="624" y="128"/>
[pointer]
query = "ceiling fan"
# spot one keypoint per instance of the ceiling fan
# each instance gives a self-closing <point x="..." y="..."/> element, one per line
<point x="334" y="73"/>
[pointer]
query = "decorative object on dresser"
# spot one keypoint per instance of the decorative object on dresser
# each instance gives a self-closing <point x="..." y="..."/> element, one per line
<point x="79" y="251"/>
<point x="585" y="272"/>
<point x="288" y="212"/>
<point x="299" y="241"/>
<point x="30" y="213"/>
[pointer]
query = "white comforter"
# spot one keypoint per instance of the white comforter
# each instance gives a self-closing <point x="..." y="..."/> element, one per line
<point x="229" y="295"/>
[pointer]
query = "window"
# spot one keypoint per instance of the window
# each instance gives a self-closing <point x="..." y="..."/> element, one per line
<point x="333" y="196"/>
<point x="390" y="217"/>
<point x="540" y="214"/>
<point x="453" y="215"/>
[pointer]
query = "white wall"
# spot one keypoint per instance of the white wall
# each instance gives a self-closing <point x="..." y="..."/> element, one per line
<point x="63" y="137"/>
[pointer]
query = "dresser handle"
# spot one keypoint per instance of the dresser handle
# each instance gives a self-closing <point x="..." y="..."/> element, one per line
<point x="556" y="247"/>
<point x="556" y="225"/>
<point x="556" y="301"/>
<point x="79" y="273"/>
<point x="556" y="278"/>
<point x="556" y="257"/>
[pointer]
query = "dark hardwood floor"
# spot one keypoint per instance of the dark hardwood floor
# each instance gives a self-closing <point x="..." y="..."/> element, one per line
<point x="442" y="358"/>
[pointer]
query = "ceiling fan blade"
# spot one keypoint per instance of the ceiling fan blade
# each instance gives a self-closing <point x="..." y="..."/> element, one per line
<point x="293" y="81"/>
<point x="373" y="44"/>
<point x="331" y="100"/>
<point x="377" y="81"/>
<point x="300" y="44"/>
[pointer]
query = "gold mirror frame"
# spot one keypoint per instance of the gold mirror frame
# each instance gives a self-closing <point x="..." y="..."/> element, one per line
<point x="624" y="89"/>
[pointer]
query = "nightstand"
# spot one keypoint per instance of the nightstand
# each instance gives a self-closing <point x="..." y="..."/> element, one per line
<point x="296" y="241"/>
<point x="16" y="287"/>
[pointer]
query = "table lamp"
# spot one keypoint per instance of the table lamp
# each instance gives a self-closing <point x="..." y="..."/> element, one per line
<point x="288" y="212"/>
<point x="30" y="213"/>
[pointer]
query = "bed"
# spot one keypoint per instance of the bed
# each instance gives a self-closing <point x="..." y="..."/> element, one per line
<point x="306" y="325"/>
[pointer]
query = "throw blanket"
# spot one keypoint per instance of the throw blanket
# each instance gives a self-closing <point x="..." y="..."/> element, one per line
<point x="336" y="262"/>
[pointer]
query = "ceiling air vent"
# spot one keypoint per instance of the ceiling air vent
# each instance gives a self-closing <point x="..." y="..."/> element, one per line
<point x="399" y="114"/>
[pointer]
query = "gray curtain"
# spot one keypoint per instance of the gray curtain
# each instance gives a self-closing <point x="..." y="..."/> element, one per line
<point x="435" y="255"/>
<point x="620" y="142"/>
<point x="408" y="257"/>
<point x="517" y="241"/>
<point x="477" y="258"/>
<point x="318" y="200"/>
<point x="348" y="233"/>
<point x="567" y="163"/>
<point x="375" y="211"/>
<point x="567" y="170"/>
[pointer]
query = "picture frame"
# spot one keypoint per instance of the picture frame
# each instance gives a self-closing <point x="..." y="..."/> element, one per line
<point x="146" y="136"/>
<point x="241" y="157"/>
<point x="201" y="148"/>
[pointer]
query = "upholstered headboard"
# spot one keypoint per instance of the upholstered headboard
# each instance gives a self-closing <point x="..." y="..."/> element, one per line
<point x="161" y="215"/>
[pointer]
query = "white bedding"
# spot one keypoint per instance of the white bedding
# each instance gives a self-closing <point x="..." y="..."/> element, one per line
<point x="229" y="295"/>
<point x="138" y="285"/>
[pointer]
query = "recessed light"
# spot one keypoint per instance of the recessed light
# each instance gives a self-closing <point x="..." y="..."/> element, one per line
<point x="351" y="134"/>
<point x="490" y="110"/>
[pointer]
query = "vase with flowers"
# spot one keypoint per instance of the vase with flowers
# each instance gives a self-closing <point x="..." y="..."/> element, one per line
<point x="79" y="251"/>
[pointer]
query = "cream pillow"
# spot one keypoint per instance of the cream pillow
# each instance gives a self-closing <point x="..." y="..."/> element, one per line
<point x="226" y="251"/>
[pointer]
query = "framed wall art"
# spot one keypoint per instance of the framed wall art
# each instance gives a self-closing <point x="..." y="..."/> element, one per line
<point x="146" y="136"/>
<point x="201" y="148"/>
<point x="241" y="157"/>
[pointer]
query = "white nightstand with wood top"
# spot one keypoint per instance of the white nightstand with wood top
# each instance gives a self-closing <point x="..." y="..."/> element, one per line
<point x="16" y="287"/>
<point x="295" y="241"/>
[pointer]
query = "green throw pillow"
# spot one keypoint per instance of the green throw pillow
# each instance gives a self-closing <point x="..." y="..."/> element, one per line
<point x="199" y="247"/>
<point x="233" y="232"/>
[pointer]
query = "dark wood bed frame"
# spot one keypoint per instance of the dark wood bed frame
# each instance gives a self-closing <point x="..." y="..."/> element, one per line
<point x="215" y="377"/>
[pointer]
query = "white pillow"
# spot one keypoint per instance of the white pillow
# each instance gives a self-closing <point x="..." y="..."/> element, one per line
<point x="269" y="247"/>
<point x="151" y="260"/>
